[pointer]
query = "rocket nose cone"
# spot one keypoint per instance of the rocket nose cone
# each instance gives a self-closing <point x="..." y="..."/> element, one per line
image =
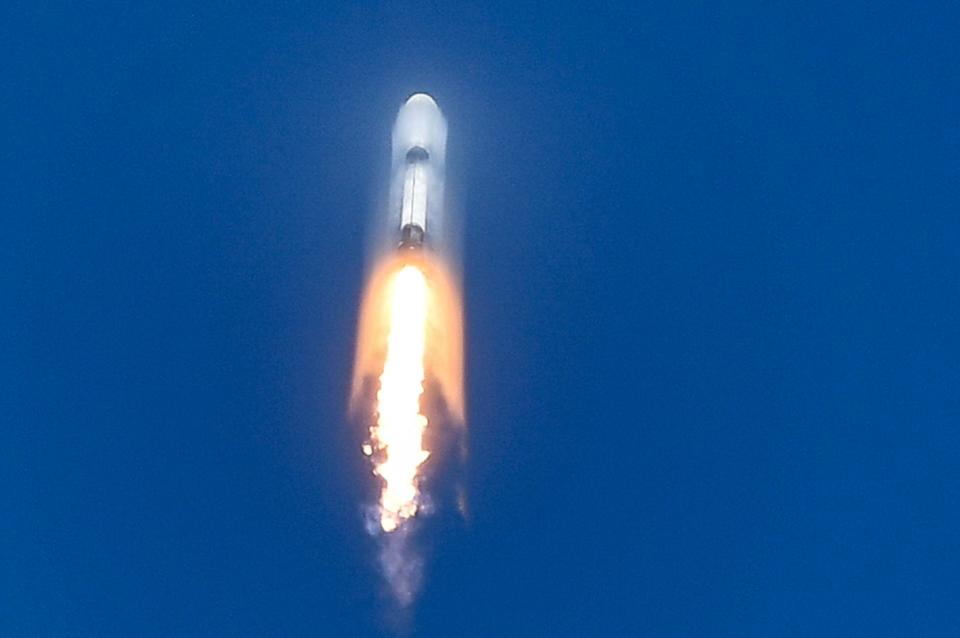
<point x="421" y="99"/>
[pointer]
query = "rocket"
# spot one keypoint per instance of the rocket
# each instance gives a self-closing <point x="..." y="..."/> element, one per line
<point x="408" y="385"/>
<point x="416" y="192"/>
<point x="414" y="229"/>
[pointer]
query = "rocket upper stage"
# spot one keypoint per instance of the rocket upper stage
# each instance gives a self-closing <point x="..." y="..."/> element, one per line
<point x="419" y="147"/>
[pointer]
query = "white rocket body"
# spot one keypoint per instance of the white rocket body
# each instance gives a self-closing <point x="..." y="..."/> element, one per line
<point x="416" y="191"/>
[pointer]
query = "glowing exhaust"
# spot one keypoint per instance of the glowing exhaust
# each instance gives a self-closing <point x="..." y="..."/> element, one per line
<point x="396" y="441"/>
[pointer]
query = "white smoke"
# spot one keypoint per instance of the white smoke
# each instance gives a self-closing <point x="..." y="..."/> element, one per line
<point x="402" y="565"/>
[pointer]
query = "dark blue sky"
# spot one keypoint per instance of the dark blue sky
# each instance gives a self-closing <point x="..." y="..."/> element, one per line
<point x="713" y="322"/>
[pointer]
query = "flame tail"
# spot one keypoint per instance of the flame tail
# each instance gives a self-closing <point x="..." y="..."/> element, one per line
<point x="397" y="437"/>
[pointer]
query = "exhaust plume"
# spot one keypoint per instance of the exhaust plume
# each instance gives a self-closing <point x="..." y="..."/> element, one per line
<point x="397" y="439"/>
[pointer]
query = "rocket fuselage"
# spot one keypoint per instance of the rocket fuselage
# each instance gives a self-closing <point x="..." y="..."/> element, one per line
<point x="413" y="200"/>
<point x="419" y="141"/>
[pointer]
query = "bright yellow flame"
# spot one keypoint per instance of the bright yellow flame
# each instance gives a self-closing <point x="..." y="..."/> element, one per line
<point x="397" y="437"/>
<point x="443" y="355"/>
<point x="410" y="334"/>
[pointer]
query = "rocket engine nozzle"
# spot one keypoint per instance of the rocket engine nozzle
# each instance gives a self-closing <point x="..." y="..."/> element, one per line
<point x="411" y="237"/>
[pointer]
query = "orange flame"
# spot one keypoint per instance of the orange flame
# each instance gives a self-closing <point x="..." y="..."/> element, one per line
<point x="399" y="430"/>
<point x="410" y="334"/>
